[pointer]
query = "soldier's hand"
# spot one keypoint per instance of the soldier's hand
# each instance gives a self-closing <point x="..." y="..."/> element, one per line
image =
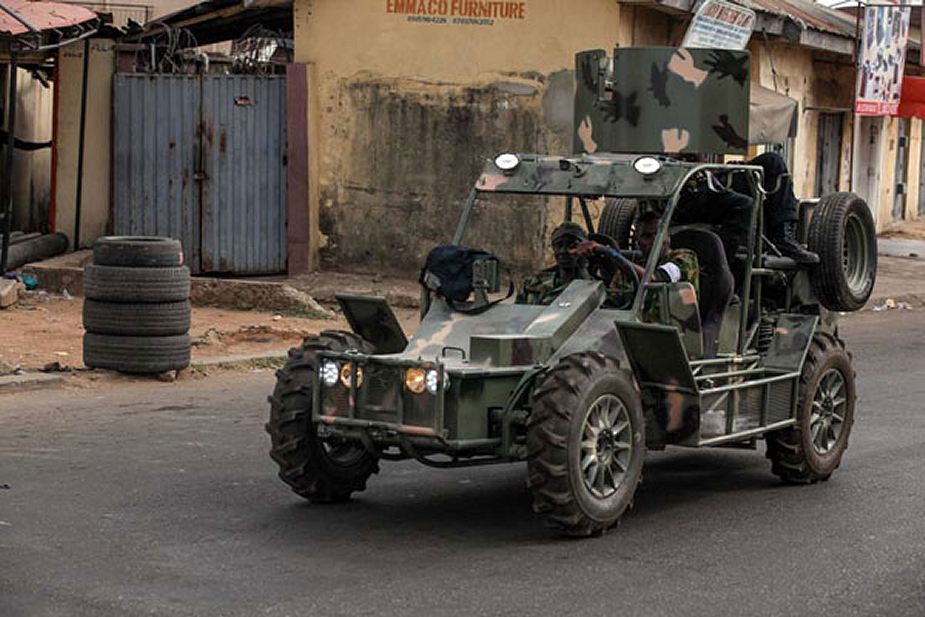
<point x="586" y="248"/>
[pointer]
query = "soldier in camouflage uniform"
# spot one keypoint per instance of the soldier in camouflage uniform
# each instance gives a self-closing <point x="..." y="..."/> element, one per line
<point x="574" y="252"/>
<point x="674" y="265"/>
<point x="545" y="286"/>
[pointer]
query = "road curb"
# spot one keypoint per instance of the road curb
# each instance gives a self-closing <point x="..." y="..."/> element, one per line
<point x="265" y="360"/>
<point x="28" y="381"/>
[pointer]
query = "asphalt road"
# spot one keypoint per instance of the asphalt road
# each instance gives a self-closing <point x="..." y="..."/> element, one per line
<point x="159" y="499"/>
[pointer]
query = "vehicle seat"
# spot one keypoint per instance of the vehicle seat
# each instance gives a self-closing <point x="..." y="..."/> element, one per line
<point x="716" y="282"/>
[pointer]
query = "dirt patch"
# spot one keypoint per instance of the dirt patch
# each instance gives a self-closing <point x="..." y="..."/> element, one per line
<point x="906" y="230"/>
<point x="43" y="329"/>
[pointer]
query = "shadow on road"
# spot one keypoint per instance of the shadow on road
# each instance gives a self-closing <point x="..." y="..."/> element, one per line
<point x="492" y="505"/>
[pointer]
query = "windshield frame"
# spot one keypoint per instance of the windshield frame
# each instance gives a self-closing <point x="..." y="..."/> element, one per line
<point x="755" y="177"/>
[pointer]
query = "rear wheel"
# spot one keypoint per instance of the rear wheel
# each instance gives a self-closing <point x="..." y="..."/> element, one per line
<point x="322" y="471"/>
<point x="812" y="449"/>
<point x="585" y="444"/>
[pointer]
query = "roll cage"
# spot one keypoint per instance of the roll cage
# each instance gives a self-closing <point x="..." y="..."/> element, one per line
<point x="590" y="177"/>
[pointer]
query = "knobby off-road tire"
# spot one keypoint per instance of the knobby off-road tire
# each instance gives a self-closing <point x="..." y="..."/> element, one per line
<point x="812" y="449"/>
<point x="137" y="354"/>
<point x="568" y="437"/>
<point x="617" y="221"/>
<point x="137" y="252"/>
<point x="319" y="472"/>
<point x="144" y="285"/>
<point x="162" y="319"/>
<point x="842" y="233"/>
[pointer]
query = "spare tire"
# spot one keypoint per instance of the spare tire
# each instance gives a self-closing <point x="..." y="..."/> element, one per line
<point x="161" y="319"/>
<point x="617" y="220"/>
<point x="842" y="233"/>
<point x="137" y="252"/>
<point x="137" y="354"/>
<point x="148" y="285"/>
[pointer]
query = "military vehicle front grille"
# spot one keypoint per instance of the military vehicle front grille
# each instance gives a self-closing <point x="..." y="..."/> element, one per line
<point x="379" y="397"/>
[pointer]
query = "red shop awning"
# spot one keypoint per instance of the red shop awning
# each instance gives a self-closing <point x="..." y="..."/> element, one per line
<point x="912" y="100"/>
<point x="41" y="16"/>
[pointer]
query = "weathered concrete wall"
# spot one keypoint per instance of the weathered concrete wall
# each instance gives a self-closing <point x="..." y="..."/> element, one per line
<point x="405" y="108"/>
<point x="32" y="169"/>
<point x="817" y="82"/>
<point x="887" y="174"/>
<point x="913" y="195"/>
<point x="96" y="187"/>
<point x="410" y="157"/>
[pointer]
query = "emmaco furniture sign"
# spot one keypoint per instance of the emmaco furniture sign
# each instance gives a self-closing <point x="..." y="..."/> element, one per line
<point x="460" y="12"/>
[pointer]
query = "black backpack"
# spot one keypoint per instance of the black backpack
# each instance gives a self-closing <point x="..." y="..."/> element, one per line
<point x="448" y="272"/>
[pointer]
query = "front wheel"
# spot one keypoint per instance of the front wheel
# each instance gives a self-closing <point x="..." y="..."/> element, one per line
<point x="812" y="449"/>
<point x="586" y="446"/>
<point x="322" y="471"/>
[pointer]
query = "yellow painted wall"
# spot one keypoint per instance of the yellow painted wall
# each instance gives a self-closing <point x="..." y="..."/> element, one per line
<point x="402" y="113"/>
<point x="97" y="148"/>
<point x="814" y="81"/>
<point x="346" y="37"/>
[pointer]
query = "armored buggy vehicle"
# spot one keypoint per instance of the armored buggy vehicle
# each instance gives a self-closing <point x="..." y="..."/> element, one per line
<point x="581" y="387"/>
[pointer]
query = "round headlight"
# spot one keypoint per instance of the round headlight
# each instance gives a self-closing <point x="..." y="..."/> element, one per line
<point x="507" y="161"/>
<point x="328" y="372"/>
<point x="647" y="165"/>
<point x="345" y="373"/>
<point x="431" y="381"/>
<point x="415" y="380"/>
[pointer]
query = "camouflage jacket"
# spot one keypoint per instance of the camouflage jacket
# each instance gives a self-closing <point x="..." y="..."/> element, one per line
<point x="541" y="288"/>
<point x="686" y="262"/>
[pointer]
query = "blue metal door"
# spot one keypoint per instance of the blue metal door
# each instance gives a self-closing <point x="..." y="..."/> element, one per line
<point x="155" y="158"/>
<point x="244" y="163"/>
<point x="203" y="159"/>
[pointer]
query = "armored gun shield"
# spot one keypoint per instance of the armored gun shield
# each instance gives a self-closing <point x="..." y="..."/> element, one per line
<point x="662" y="99"/>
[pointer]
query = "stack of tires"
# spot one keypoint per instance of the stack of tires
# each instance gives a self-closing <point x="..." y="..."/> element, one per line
<point x="137" y="309"/>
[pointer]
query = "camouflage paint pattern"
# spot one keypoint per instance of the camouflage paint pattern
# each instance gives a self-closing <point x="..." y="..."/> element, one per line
<point x="602" y="175"/>
<point x="487" y="357"/>
<point x="662" y="100"/>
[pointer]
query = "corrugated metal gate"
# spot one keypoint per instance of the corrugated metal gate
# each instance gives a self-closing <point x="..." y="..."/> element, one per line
<point x="203" y="159"/>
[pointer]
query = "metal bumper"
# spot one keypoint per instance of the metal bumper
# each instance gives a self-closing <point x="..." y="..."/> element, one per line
<point x="380" y="406"/>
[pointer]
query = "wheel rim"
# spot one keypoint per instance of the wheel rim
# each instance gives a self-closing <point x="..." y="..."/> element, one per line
<point x="855" y="255"/>
<point x="342" y="453"/>
<point x="827" y="419"/>
<point x="606" y="447"/>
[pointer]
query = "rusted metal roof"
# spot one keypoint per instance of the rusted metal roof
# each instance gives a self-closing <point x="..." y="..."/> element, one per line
<point x="41" y="16"/>
<point x="807" y="13"/>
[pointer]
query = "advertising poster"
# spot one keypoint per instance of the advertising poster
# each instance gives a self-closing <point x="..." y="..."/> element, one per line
<point x="720" y="25"/>
<point x="882" y="60"/>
